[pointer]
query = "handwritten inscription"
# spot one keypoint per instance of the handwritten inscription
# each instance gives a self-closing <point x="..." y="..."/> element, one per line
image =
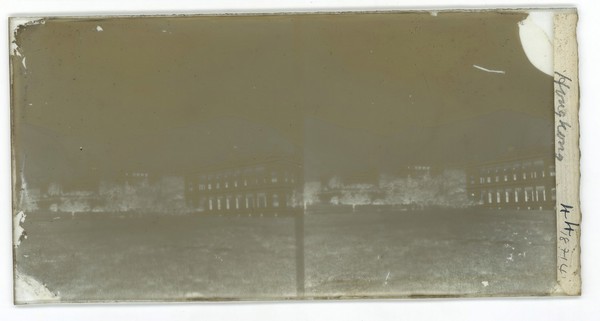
<point x="562" y="87"/>
<point x="567" y="234"/>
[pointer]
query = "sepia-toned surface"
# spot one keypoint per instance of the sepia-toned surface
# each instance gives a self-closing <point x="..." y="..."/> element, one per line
<point x="283" y="156"/>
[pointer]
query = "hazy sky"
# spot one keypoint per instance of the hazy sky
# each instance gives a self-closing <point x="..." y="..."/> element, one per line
<point x="106" y="84"/>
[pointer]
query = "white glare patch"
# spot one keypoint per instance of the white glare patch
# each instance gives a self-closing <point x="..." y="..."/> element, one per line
<point x="536" y="35"/>
<point x="485" y="283"/>
<point x="99" y="29"/>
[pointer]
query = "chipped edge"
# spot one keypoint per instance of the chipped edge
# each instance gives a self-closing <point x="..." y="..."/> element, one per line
<point x="566" y="109"/>
<point x="18" y="216"/>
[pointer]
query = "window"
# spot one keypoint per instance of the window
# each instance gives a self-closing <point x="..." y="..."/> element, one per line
<point x="514" y="177"/>
<point x="275" y="200"/>
<point x="544" y="194"/>
<point x="209" y="186"/>
<point x="506" y="178"/>
<point x="529" y="194"/>
<point x="540" y="193"/>
<point x="273" y="177"/>
<point x="261" y="199"/>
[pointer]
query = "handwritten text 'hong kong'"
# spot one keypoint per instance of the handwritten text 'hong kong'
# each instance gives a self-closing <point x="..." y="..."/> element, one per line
<point x="562" y="87"/>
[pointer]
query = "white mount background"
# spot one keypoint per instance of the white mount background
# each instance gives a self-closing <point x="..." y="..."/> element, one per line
<point x="586" y="307"/>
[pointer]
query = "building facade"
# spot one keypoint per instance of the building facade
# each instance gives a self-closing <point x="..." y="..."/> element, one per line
<point x="273" y="185"/>
<point x="514" y="183"/>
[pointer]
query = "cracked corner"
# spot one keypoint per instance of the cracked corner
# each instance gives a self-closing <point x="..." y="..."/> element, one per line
<point x="29" y="290"/>
<point x="16" y="25"/>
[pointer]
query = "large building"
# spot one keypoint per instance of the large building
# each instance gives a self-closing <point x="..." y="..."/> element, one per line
<point x="520" y="182"/>
<point x="272" y="185"/>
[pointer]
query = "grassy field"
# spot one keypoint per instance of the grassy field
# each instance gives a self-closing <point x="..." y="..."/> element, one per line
<point x="387" y="253"/>
<point x="433" y="253"/>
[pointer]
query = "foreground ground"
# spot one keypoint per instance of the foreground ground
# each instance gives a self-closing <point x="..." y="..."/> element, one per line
<point x="364" y="253"/>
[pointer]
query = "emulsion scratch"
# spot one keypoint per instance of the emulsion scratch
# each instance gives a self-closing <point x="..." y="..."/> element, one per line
<point x="24" y="194"/>
<point x="489" y="70"/>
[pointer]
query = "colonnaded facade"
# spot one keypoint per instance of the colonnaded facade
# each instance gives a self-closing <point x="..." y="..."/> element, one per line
<point x="524" y="182"/>
<point x="272" y="185"/>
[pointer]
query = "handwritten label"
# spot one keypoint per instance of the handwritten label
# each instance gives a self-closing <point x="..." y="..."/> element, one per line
<point x="563" y="85"/>
<point x="566" y="108"/>
<point x="566" y="235"/>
